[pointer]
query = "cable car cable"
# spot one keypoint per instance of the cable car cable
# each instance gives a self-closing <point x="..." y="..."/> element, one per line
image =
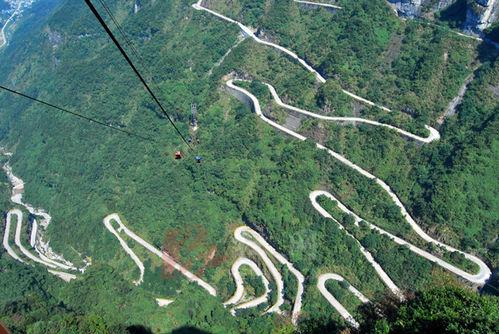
<point x="132" y="47"/>
<point x="138" y="56"/>
<point x="90" y="119"/>
<point x="129" y="61"/>
<point x="122" y="32"/>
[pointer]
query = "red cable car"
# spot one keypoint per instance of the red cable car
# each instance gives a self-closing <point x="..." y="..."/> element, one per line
<point x="178" y="155"/>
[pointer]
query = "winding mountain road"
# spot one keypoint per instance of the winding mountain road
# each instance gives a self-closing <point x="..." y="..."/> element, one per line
<point x="246" y="96"/>
<point x="45" y="252"/>
<point x="6" y="244"/>
<point x="276" y="275"/>
<point x="245" y="234"/>
<point x="239" y="236"/>
<point x="249" y="32"/>
<point x="238" y="294"/>
<point x="319" y="4"/>
<point x="17" y="239"/>
<point x="52" y="267"/>
<point x="53" y="262"/>
<point x="163" y="255"/>
<point x="479" y="278"/>
<point x="483" y="274"/>
<point x="434" y="134"/>
<point x="3" y="37"/>
<point x="321" y="285"/>
<point x="124" y="245"/>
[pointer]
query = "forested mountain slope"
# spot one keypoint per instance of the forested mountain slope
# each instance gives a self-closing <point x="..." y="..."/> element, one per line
<point x="251" y="174"/>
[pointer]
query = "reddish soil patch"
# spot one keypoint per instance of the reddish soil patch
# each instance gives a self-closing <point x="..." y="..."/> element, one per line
<point x="3" y="329"/>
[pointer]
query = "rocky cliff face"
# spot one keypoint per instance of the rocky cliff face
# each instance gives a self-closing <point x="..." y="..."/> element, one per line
<point x="137" y="6"/>
<point x="414" y="8"/>
<point x="480" y="14"/>
<point x="407" y="8"/>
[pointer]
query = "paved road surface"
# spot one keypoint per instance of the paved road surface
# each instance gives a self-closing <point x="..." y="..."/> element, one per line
<point x="434" y="134"/>
<point x="321" y="285"/>
<point x="3" y="38"/>
<point x="238" y="234"/>
<point x="479" y="278"/>
<point x="238" y="294"/>
<point x="249" y="32"/>
<point x="327" y="5"/>
<point x="164" y="256"/>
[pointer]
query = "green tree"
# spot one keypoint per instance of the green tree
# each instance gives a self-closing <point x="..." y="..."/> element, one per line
<point x="438" y="310"/>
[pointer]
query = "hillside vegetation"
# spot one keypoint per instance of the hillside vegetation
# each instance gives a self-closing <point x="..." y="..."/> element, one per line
<point x="250" y="174"/>
<point x="405" y="65"/>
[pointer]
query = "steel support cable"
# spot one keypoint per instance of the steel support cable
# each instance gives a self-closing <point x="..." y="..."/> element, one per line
<point x="131" y="46"/>
<point x="123" y="34"/>
<point x="129" y="61"/>
<point x="90" y="119"/>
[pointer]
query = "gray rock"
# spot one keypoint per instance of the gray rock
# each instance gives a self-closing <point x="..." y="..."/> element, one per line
<point x="407" y="8"/>
<point x="137" y="6"/>
<point x="480" y="15"/>
<point x="413" y="8"/>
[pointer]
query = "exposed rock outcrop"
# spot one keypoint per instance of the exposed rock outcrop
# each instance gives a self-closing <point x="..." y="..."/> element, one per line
<point x="414" y="8"/>
<point x="481" y="14"/>
<point x="137" y="6"/>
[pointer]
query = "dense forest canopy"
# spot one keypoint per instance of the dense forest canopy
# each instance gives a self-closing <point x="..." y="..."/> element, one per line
<point x="251" y="174"/>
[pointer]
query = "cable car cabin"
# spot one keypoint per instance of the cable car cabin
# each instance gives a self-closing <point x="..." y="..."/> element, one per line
<point x="178" y="155"/>
<point x="199" y="159"/>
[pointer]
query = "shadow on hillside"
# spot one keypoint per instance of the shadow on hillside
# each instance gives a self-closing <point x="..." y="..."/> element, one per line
<point x="138" y="329"/>
<point x="322" y="327"/>
<point x="491" y="287"/>
<point x="189" y="330"/>
<point x="487" y="52"/>
<point x="455" y="14"/>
